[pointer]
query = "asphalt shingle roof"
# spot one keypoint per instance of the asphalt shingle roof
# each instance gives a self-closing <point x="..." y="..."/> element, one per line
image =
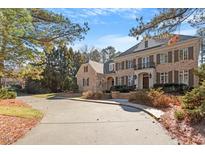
<point x="159" y="43"/>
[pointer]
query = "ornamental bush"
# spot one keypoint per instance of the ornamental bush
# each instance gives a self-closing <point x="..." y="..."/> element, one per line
<point x="194" y="103"/>
<point x="92" y="95"/>
<point x="179" y="115"/>
<point x="153" y="97"/>
<point x="6" y="94"/>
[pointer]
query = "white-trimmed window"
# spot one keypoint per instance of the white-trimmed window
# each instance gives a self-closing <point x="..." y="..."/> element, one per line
<point x="163" y="58"/>
<point x="85" y="68"/>
<point x="184" y="77"/>
<point x="119" y="81"/>
<point x="111" y="67"/>
<point x="183" y="54"/>
<point x="130" y="80"/>
<point x="164" y="77"/>
<point x="129" y="64"/>
<point x="145" y="62"/>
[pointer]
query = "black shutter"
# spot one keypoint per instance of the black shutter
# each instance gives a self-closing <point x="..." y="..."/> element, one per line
<point x="158" y="58"/>
<point x="170" y="57"/>
<point x="176" y="55"/>
<point x="191" y="52"/>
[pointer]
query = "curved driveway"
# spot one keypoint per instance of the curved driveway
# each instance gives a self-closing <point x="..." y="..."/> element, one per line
<point x="75" y="122"/>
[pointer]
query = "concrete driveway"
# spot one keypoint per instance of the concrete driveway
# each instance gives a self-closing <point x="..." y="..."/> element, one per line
<point x="75" y="122"/>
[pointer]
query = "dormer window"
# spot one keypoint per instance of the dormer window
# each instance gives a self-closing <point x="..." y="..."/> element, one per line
<point x="146" y="44"/>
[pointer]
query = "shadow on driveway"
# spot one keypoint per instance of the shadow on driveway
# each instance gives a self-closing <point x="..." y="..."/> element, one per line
<point x="129" y="109"/>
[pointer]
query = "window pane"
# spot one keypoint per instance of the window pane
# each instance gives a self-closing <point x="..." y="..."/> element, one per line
<point x="186" y="77"/>
<point x="181" y="77"/>
<point x="185" y="53"/>
<point x="161" y="77"/>
<point x="166" y="58"/>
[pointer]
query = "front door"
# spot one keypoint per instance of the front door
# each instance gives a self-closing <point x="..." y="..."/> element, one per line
<point x="145" y="81"/>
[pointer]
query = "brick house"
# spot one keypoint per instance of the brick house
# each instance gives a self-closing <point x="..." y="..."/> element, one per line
<point x="149" y="62"/>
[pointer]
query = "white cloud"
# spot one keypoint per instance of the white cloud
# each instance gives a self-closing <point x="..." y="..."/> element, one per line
<point x="108" y="11"/>
<point x="90" y="14"/>
<point x="120" y="42"/>
<point x="189" y="31"/>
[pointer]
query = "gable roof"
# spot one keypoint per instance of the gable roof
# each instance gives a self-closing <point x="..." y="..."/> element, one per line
<point x="155" y="44"/>
<point x="98" y="67"/>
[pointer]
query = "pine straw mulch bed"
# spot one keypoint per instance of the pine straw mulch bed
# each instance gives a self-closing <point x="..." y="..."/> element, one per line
<point x="12" y="128"/>
<point x="183" y="131"/>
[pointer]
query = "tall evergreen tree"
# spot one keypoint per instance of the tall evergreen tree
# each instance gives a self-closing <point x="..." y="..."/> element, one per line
<point x="58" y="66"/>
<point x="24" y="31"/>
<point x="109" y="53"/>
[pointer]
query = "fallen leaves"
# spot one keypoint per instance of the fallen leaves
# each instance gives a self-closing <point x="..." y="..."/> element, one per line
<point x="14" y="102"/>
<point x="12" y="128"/>
<point x="183" y="131"/>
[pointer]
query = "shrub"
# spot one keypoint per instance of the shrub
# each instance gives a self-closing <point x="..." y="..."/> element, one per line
<point x="91" y="95"/>
<point x="98" y="95"/>
<point x="194" y="103"/>
<point x="158" y="99"/>
<point x="153" y="97"/>
<point x="35" y="87"/>
<point x="140" y="96"/>
<point x="173" y="87"/>
<point x="6" y="94"/>
<point x="15" y="87"/>
<point x="122" y="88"/>
<point x="88" y="95"/>
<point x="179" y="115"/>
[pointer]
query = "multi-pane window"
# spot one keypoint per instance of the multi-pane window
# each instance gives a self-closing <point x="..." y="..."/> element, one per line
<point x="85" y="68"/>
<point x="83" y="82"/>
<point x="163" y="58"/>
<point x="119" y="81"/>
<point x="164" y="77"/>
<point x="183" y="54"/>
<point x="145" y="62"/>
<point x="111" y="67"/>
<point x="129" y="64"/>
<point x="184" y="77"/>
<point x="130" y="80"/>
<point x="122" y="80"/>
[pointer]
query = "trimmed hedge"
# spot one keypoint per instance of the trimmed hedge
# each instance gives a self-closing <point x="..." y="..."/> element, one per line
<point x="123" y="88"/>
<point x="6" y="94"/>
<point x="173" y="88"/>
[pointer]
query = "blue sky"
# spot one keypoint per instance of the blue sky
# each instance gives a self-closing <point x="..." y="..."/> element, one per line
<point x="110" y="27"/>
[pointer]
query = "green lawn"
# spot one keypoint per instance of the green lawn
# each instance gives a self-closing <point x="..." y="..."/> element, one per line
<point x="23" y="112"/>
<point x="49" y="95"/>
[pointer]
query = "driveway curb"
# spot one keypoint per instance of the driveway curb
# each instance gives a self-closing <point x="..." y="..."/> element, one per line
<point x="117" y="103"/>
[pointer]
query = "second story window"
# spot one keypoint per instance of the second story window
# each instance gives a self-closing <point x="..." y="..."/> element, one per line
<point x="145" y="62"/>
<point x="111" y="67"/>
<point x="163" y="58"/>
<point x="85" y="68"/>
<point x="183" y="54"/>
<point x="129" y="64"/>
